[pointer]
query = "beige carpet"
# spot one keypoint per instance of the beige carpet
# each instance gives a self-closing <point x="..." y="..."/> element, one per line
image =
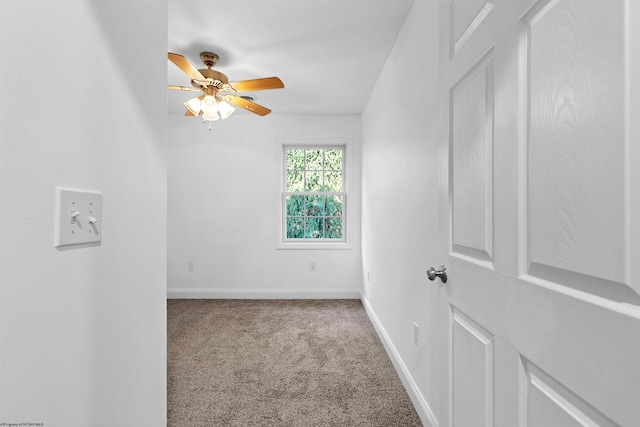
<point x="280" y="363"/>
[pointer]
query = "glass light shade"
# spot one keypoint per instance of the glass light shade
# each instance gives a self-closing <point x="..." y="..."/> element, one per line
<point x="212" y="117"/>
<point x="193" y="105"/>
<point x="209" y="105"/>
<point x="225" y="109"/>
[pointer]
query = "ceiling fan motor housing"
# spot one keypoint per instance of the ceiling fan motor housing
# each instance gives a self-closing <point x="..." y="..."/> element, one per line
<point x="214" y="78"/>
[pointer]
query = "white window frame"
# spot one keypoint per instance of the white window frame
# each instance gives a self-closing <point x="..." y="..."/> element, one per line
<point x="321" y="243"/>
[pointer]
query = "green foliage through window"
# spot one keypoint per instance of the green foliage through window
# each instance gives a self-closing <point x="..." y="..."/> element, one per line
<point x="314" y="193"/>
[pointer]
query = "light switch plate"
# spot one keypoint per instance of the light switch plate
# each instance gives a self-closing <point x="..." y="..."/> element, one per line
<point x="78" y="217"/>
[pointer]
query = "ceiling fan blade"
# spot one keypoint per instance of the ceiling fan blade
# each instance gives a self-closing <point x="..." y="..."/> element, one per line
<point x="173" y="87"/>
<point x="186" y="66"/>
<point x="247" y="105"/>
<point x="189" y="113"/>
<point x="258" y="84"/>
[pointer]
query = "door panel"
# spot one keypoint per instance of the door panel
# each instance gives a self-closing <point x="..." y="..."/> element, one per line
<point x="472" y="362"/>
<point x="576" y="139"/>
<point x="472" y="162"/>
<point x="466" y="16"/>
<point x="546" y="403"/>
<point x="537" y="211"/>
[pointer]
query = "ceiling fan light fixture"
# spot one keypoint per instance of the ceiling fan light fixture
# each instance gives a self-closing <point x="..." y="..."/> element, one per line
<point x="212" y="117"/>
<point x="225" y="109"/>
<point x="193" y="105"/>
<point x="209" y="105"/>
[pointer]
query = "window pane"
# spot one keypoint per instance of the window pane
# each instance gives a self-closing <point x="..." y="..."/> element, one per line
<point x="313" y="181"/>
<point x="295" y="206"/>
<point x="313" y="228"/>
<point x="333" y="206"/>
<point x="315" y="205"/>
<point x="295" y="181"/>
<point x="333" y="228"/>
<point x="295" y="159"/>
<point x="295" y="228"/>
<point x="333" y="181"/>
<point x="314" y="185"/>
<point x="333" y="159"/>
<point x="314" y="160"/>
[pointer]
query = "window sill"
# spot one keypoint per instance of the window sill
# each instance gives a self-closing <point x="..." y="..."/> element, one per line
<point x="314" y="246"/>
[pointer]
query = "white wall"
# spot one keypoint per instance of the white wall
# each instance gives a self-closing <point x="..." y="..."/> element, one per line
<point x="400" y="197"/>
<point x="224" y="209"/>
<point x="83" y="105"/>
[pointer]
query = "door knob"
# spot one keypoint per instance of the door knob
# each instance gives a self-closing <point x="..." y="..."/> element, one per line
<point x="442" y="273"/>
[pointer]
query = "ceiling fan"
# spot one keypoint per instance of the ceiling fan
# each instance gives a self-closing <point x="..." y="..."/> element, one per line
<point x="218" y="93"/>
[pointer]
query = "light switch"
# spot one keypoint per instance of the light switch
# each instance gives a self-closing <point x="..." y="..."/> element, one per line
<point x="78" y="217"/>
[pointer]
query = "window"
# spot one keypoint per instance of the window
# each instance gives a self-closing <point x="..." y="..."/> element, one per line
<point x="314" y="194"/>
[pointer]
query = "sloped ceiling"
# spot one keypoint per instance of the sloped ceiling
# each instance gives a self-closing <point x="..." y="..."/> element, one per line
<point x="328" y="53"/>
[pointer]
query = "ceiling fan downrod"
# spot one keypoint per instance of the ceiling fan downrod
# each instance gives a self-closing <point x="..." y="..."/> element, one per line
<point x="209" y="59"/>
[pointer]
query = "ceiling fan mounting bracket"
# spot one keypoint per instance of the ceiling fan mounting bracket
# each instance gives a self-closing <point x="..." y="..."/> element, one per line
<point x="209" y="58"/>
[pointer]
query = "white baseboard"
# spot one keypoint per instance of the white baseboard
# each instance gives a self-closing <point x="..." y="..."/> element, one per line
<point x="422" y="407"/>
<point x="261" y="294"/>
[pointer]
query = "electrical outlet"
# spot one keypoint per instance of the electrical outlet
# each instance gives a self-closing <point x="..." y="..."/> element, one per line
<point x="416" y="333"/>
<point x="190" y="266"/>
<point x="369" y="276"/>
<point x="313" y="266"/>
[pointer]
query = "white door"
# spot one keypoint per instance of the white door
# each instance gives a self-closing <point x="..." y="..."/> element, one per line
<point x="540" y="207"/>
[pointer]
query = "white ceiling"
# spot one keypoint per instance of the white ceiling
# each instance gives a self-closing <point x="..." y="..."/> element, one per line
<point x="328" y="53"/>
